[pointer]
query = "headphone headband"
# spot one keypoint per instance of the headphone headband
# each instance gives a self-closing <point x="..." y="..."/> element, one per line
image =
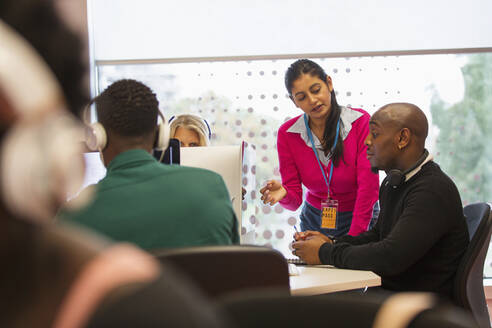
<point x="209" y="134"/>
<point x="396" y="177"/>
<point x="96" y="137"/>
<point x="208" y="127"/>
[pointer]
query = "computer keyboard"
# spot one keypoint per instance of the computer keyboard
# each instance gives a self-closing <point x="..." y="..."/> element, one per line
<point x="296" y="261"/>
<point x="293" y="271"/>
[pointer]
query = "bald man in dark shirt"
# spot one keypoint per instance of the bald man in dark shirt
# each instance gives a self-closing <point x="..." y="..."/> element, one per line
<point x="421" y="232"/>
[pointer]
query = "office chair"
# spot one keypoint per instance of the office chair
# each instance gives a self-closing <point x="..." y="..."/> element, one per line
<point x="219" y="270"/>
<point x="468" y="284"/>
<point x="267" y="310"/>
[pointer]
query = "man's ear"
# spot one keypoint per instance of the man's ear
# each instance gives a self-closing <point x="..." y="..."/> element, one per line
<point x="154" y="135"/>
<point x="404" y="138"/>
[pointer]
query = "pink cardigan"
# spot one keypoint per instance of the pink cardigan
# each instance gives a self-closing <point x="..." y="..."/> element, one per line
<point x="353" y="183"/>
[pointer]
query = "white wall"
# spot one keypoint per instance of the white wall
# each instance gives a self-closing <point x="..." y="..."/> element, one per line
<point x="148" y="29"/>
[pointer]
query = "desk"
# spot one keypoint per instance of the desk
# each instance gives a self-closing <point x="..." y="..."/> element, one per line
<point x="322" y="279"/>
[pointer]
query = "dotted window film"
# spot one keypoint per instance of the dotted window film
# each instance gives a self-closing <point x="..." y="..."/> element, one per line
<point x="247" y="101"/>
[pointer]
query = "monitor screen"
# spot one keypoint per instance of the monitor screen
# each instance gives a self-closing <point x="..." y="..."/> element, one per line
<point x="224" y="160"/>
<point x="94" y="169"/>
<point x="171" y="155"/>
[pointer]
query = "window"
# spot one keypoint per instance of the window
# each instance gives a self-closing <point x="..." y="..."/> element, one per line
<point x="247" y="100"/>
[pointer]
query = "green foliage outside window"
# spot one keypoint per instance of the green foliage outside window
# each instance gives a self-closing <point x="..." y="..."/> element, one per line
<point x="465" y="132"/>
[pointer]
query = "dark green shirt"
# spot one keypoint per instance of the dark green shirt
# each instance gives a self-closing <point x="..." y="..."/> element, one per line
<point x="155" y="206"/>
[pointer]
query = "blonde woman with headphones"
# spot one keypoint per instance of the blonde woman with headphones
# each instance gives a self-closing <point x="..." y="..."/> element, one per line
<point x="190" y="130"/>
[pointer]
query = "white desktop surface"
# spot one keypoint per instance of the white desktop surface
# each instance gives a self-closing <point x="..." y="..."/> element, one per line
<point x="322" y="279"/>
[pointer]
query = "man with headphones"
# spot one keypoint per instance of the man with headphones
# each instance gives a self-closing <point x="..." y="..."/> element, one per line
<point x="141" y="200"/>
<point x="421" y="233"/>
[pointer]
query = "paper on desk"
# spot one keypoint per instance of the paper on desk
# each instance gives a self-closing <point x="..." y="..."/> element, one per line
<point x="293" y="270"/>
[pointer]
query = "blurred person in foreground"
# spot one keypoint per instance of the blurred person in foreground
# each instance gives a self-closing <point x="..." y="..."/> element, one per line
<point x="421" y="233"/>
<point x="63" y="276"/>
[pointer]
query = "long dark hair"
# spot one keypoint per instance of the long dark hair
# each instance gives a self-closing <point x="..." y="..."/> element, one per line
<point x="306" y="66"/>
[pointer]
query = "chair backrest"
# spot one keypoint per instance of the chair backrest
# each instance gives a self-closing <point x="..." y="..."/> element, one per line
<point x="468" y="286"/>
<point x="224" y="269"/>
<point x="332" y="310"/>
<point x="474" y="214"/>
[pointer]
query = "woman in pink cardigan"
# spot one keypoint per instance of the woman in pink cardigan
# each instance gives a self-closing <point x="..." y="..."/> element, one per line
<point x="337" y="162"/>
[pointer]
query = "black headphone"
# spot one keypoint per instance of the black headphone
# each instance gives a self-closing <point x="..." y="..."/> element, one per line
<point x="396" y="177"/>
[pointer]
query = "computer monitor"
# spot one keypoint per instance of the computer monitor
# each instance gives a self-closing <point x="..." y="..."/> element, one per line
<point x="94" y="169"/>
<point x="224" y="160"/>
<point x="171" y="155"/>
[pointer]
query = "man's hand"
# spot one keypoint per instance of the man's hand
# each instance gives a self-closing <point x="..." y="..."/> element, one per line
<point x="308" y="249"/>
<point x="309" y="233"/>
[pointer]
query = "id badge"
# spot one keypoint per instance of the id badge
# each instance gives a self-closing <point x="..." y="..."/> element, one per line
<point x="329" y="209"/>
